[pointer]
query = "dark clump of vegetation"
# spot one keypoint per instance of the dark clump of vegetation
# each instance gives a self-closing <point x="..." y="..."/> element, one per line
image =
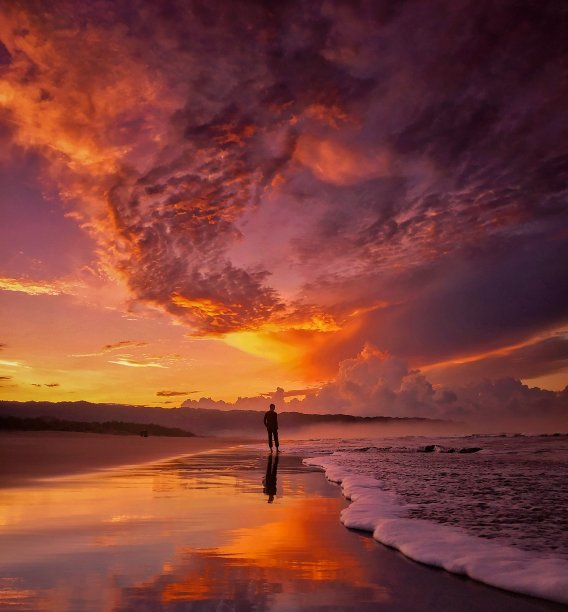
<point x="121" y="428"/>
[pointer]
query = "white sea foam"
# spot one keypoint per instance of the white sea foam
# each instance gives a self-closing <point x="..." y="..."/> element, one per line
<point x="393" y="522"/>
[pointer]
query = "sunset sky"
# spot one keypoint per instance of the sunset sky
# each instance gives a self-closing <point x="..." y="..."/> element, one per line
<point x="221" y="198"/>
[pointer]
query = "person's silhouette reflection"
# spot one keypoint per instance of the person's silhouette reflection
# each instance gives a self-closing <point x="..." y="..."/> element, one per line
<point x="269" y="481"/>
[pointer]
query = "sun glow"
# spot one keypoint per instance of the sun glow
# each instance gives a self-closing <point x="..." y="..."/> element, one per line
<point x="266" y="345"/>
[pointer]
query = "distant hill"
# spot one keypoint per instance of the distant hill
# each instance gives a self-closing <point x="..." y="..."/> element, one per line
<point x="16" y="423"/>
<point x="204" y="421"/>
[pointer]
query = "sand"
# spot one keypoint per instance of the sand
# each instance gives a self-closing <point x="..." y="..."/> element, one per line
<point x="27" y="456"/>
<point x="197" y="532"/>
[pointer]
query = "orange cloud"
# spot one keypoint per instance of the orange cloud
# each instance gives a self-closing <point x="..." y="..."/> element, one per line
<point x="204" y="307"/>
<point x="137" y="364"/>
<point x="109" y="348"/>
<point x="30" y="287"/>
<point x="284" y="338"/>
<point x="74" y="104"/>
<point x="335" y="162"/>
<point x="332" y="115"/>
<point x="506" y="350"/>
<point x="161" y="221"/>
<point x="165" y="165"/>
<point x="12" y="363"/>
<point x="70" y="103"/>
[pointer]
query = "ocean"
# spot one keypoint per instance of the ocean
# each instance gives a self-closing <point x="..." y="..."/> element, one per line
<point x="492" y="507"/>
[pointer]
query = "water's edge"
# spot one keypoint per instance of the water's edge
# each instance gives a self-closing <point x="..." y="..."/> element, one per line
<point x="377" y="511"/>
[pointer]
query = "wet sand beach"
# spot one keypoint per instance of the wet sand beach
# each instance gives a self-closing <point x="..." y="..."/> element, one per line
<point x="26" y="456"/>
<point x="229" y="529"/>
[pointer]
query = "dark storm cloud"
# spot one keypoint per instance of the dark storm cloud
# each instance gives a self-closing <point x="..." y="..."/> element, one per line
<point x="541" y="358"/>
<point x="470" y="105"/>
<point x="469" y="235"/>
<point x="5" y="57"/>
<point x="477" y="302"/>
<point x="484" y="301"/>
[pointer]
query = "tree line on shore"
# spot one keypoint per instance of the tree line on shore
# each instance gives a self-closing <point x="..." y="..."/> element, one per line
<point x="123" y="428"/>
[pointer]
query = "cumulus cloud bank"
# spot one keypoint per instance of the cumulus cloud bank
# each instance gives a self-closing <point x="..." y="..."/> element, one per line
<point x="376" y="384"/>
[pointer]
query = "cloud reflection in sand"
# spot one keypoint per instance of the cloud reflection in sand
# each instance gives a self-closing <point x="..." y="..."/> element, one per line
<point x="192" y="530"/>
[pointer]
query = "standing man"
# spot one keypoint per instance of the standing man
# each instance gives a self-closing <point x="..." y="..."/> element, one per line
<point x="271" y="424"/>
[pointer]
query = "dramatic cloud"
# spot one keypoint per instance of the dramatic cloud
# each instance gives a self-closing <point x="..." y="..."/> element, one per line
<point x="536" y="359"/>
<point x="376" y="384"/>
<point x="174" y="393"/>
<point x="307" y="178"/>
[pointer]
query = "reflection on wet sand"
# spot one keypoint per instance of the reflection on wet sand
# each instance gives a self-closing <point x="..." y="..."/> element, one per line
<point x="196" y="533"/>
<point x="286" y="560"/>
<point x="283" y="581"/>
<point x="269" y="480"/>
<point x="190" y="530"/>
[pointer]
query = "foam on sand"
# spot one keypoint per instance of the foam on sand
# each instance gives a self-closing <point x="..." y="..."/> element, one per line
<point x="379" y="512"/>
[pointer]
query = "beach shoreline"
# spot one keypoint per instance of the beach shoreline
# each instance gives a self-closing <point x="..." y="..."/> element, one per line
<point x="28" y="456"/>
<point x="228" y="545"/>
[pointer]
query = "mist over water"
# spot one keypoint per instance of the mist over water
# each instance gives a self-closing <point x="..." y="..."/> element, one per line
<point x="375" y="430"/>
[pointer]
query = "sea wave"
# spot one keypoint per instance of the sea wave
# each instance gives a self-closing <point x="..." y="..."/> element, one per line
<point x="382" y="513"/>
<point x="427" y="448"/>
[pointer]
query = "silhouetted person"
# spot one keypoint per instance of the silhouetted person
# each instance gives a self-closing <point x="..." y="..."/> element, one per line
<point x="271" y="424"/>
<point x="269" y="481"/>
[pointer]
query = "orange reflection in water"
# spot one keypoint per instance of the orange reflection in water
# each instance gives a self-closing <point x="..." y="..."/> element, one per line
<point x="303" y="551"/>
<point x="296" y="547"/>
<point x="13" y="597"/>
<point x="197" y="529"/>
<point x="296" y="543"/>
